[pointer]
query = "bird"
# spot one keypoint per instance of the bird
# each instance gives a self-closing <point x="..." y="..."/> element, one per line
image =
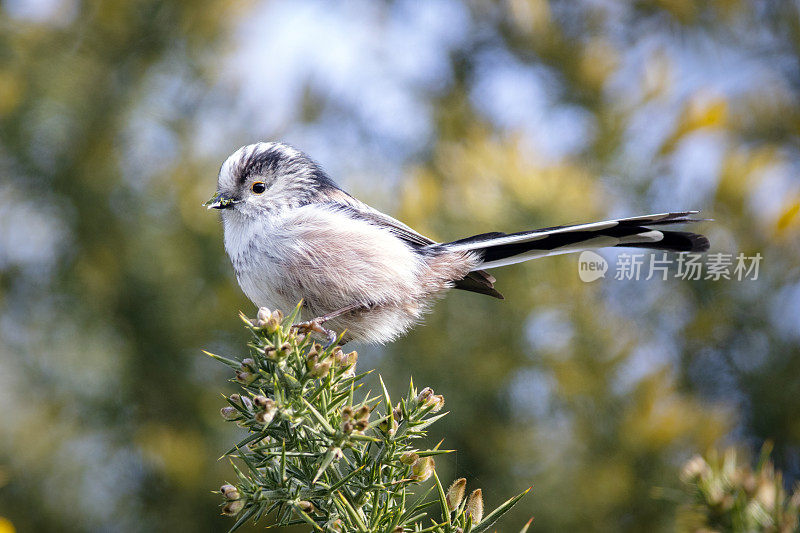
<point x="292" y="234"/>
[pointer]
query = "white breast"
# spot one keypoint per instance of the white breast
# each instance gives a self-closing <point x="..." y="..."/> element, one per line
<point x="320" y="255"/>
<point x="251" y="245"/>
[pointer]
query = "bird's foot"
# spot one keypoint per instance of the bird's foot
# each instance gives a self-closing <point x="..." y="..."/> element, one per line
<point x="315" y="326"/>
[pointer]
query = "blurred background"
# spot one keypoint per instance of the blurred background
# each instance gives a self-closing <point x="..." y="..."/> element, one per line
<point x="458" y="117"/>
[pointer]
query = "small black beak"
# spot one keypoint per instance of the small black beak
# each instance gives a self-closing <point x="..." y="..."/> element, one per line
<point x="221" y="200"/>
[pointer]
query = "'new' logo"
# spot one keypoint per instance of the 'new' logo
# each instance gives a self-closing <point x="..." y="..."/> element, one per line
<point x="591" y="266"/>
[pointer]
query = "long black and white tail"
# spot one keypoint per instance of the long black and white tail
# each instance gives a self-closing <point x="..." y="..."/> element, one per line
<point x="501" y="249"/>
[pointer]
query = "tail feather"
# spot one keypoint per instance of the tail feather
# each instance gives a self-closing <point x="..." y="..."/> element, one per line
<point x="677" y="241"/>
<point x="480" y="282"/>
<point x="500" y="249"/>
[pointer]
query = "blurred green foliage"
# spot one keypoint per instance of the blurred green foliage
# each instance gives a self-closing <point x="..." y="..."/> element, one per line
<point x="112" y="278"/>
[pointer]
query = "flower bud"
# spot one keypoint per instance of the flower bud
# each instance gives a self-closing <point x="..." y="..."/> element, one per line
<point x="262" y="316"/>
<point x="424" y="394"/>
<point x="349" y="364"/>
<point x="245" y="378"/>
<point x="337" y="354"/>
<point x="321" y="369"/>
<point x="694" y="469"/>
<point x="363" y="412"/>
<point x="456" y="493"/>
<point x="437" y="401"/>
<point x="233" y="508"/>
<point x="265" y="417"/>
<point x="347" y="427"/>
<point x="278" y="352"/>
<point x="248" y="364"/>
<point x="261" y="401"/>
<point x="422" y="469"/>
<point x="230" y="492"/>
<point x="344" y="360"/>
<point x="361" y="425"/>
<point x="305" y="505"/>
<point x="235" y="398"/>
<point x="475" y="506"/>
<point x="426" y="398"/>
<point x="246" y="402"/>
<point x="409" y="458"/>
<point x="229" y="413"/>
<point x="311" y="360"/>
<point x="347" y="412"/>
<point x="315" y="351"/>
<point x="271" y="325"/>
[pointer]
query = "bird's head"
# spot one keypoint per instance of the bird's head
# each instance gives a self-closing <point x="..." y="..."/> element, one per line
<point x="267" y="176"/>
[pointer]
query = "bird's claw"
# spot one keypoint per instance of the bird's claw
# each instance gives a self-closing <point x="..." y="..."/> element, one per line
<point x="314" y="326"/>
<point x="310" y="326"/>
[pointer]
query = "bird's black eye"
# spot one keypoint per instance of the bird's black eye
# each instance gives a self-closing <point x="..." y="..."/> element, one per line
<point x="258" y="187"/>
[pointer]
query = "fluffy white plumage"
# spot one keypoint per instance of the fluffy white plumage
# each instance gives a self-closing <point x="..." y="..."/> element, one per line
<point x="329" y="260"/>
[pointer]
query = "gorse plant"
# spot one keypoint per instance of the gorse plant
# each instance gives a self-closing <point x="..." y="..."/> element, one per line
<point x="319" y="452"/>
<point x="729" y="495"/>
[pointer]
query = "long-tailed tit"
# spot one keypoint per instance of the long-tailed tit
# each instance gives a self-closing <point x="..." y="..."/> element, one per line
<point x="293" y="234"/>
